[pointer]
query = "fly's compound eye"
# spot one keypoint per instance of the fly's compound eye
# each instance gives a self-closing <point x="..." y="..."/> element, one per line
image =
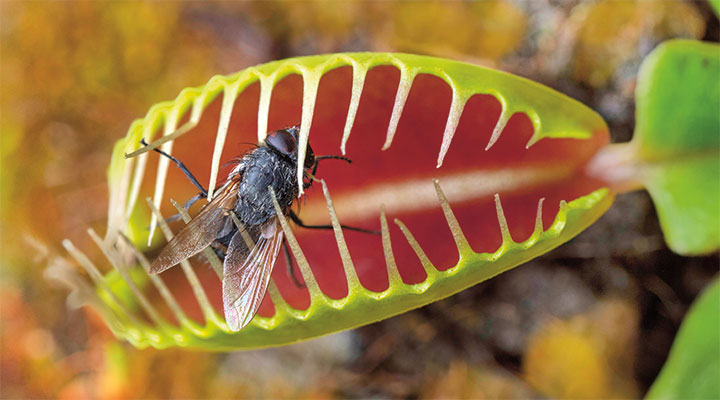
<point x="281" y="141"/>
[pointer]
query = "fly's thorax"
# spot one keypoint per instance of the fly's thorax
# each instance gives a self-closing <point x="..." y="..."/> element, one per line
<point x="265" y="168"/>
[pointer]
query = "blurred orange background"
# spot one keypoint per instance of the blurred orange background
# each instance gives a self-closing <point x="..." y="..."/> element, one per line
<point x="74" y="75"/>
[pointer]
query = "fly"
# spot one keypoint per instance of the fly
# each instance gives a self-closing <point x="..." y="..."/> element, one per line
<point x="249" y="254"/>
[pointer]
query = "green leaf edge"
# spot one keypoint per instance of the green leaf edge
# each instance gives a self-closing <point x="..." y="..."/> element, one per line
<point x="715" y="4"/>
<point x="692" y="370"/>
<point x="552" y="113"/>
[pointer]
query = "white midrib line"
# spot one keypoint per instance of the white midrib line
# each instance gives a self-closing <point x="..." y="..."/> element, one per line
<point x="419" y="194"/>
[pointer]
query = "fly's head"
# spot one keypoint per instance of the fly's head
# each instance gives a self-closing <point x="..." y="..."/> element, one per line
<point x="285" y="143"/>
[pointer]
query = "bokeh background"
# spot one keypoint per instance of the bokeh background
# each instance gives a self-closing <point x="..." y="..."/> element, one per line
<point x="74" y="75"/>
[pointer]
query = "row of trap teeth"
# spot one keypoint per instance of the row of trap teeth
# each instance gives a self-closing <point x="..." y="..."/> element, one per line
<point x="318" y="299"/>
<point x="232" y="87"/>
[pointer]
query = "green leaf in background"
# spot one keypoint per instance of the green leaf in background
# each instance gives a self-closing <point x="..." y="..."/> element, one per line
<point x="715" y="4"/>
<point x="692" y="370"/>
<point x="678" y="136"/>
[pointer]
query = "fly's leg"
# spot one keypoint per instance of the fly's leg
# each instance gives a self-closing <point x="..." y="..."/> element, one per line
<point x="186" y="206"/>
<point x="290" y="270"/>
<point x="193" y="180"/>
<point x="318" y="158"/>
<point x="299" y="222"/>
<point x="184" y="169"/>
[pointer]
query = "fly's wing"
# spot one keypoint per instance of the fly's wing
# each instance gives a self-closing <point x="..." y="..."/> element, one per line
<point x="246" y="276"/>
<point x="200" y="232"/>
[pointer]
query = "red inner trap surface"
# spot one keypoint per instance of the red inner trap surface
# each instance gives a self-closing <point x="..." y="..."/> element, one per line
<point x="412" y="157"/>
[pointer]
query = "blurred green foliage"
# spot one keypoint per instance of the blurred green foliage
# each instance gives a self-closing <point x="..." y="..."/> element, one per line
<point x="693" y="366"/>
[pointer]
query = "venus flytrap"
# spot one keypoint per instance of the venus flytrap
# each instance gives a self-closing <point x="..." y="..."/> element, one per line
<point x="466" y="172"/>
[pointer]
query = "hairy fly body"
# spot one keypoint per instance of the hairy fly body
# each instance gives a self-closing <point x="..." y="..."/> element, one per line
<point x="250" y="251"/>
